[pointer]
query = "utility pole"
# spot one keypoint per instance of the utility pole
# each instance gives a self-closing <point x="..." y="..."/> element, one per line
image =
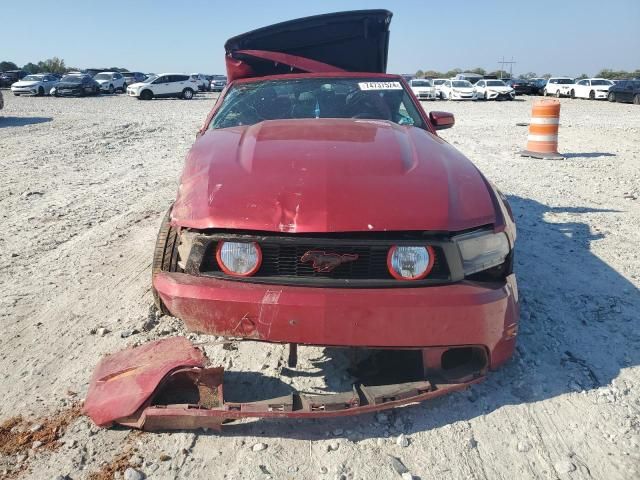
<point x="504" y="62"/>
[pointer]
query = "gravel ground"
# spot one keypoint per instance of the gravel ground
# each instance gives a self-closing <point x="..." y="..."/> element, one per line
<point x="86" y="182"/>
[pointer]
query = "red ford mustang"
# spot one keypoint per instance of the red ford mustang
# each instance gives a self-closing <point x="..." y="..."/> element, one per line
<point x="318" y="206"/>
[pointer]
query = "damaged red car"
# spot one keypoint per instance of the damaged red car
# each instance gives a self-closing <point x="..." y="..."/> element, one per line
<point x="319" y="206"/>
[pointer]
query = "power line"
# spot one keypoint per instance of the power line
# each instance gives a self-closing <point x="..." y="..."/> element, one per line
<point x="504" y="62"/>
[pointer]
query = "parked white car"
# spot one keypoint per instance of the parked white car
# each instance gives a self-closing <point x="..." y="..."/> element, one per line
<point x="494" y="90"/>
<point x="423" y="89"/>
<point x="458" y="90"/>
<point x="558" y="86"/>
<point x="591" y="88"/>
<point x="201" y="80"/>
<point x="111" y="81"/>
<point x="39" y="84"/>
<point x="437" y="84"/>
<point x="177" y="85"/>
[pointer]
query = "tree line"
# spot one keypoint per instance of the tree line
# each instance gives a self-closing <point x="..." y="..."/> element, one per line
<point x="604" y="73"/>
<point x="50" y="65"/>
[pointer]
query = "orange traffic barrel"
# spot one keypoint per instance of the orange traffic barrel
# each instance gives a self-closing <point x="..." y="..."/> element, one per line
<point x="543" y="130"/>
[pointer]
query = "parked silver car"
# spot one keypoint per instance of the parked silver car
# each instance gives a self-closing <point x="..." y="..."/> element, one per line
<point x="38" y="84"/>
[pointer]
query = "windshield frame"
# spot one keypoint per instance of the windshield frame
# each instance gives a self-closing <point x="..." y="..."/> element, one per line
<point x="356" y="76"/>
<point x="34" y="77"/>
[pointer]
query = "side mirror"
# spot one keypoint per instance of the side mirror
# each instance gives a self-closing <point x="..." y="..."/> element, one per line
<point x="442" y="120"/>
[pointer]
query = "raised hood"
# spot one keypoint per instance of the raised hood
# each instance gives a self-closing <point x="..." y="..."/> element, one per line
<point x="329" y="175"/>
<point x="354" y="41"/>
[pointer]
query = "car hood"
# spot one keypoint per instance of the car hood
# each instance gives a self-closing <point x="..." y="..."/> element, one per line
<point x="21" y="83"/>
<point x="68" y="85"/>
<point x="329" y="175"/>
<point x="463" y="89"/>
<point x="102" y="80"/>
<point x="138" y="84"/>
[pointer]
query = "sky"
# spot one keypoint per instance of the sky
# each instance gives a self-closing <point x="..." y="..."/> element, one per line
<point x="562" y="37"/>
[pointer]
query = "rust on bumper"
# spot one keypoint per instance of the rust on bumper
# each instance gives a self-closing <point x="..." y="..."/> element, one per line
<point x="166" y="385"/>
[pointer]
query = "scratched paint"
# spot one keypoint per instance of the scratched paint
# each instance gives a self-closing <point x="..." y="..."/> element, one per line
<point x="268" y="310"/>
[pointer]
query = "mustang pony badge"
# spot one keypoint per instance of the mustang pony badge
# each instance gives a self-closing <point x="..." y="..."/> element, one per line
<point x="326" y="262"/>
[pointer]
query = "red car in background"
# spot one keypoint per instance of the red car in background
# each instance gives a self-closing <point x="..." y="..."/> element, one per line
<point x="319" y="206"/>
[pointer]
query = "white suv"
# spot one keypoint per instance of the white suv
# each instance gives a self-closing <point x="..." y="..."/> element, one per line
<point x="111" y="81"/>
<point x="201" y="80"/>
<point x="558" y="86"/>
<point x="177" y="85"/>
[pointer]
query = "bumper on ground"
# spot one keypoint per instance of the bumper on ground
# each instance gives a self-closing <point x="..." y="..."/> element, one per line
<point x="465" y="313"/>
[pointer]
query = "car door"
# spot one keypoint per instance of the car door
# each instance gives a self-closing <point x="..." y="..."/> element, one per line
<point x="161" y="86"/>
<point x="87" y="85"/>
<point x="178" y="84"/>
<point x="117" y="80"/>
<point x="626" y="93"/>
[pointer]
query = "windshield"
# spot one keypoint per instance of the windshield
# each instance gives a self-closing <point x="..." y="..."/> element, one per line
<point x="495" y="83"/>
<point x="461" y="83"/>
<point x="72" y="79"/>
<point x="420" y="83"/>
<point x="361" y="98"/>
<point x="150" y="78"/>
<point x="438" y="82"/>
<point x="103" y="76"/>
<point x="565" y="81"/>
<point x="33" y="78"/>
<point x="601" y="82"/>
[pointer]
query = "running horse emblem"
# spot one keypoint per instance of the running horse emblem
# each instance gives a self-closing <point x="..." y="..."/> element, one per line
<point x="324" y="262"/>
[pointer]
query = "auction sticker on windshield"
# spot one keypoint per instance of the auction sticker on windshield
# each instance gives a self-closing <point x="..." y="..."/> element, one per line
<point x="380" y="86"/>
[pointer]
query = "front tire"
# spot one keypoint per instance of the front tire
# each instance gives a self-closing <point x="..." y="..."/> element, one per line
<point x="146" y="95"/>
<point x="187" y="94"/>
<point x="558" y="93"/>
<point x="165" y="256"/>
<point x="544" y="92"/>
<point x="573" y="94"/>
<point x="111" y="90"/>
<point x="592" y="95"/>
<point x="636" y="99"/>
<point x="40" y="92"/>
<point x="611" y="97"/>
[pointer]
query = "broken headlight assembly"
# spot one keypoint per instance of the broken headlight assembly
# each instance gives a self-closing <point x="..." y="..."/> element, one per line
<point x="482" y="250"/>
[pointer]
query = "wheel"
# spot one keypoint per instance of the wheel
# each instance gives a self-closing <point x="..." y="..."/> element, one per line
<point x="558" y="93"/>
<point x="636" y="99"/>
<point x="486" y="96"/>
<point x="146" y="95"/>
<point x="124" y="88"/>
<point x="592" y="95"/>
<point x="187" y="94"/>
<point x="165" y="256"/>
<point x="16" y="94"/>
<point x="111" y="89"/>
<point x="40" y="92"/>
<point x="544" y="92"/>
<point x="573" y="93"/>
<point x="611" y="97"/>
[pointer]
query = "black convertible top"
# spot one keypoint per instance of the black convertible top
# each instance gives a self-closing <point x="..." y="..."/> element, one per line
<point x="356" y="41"/>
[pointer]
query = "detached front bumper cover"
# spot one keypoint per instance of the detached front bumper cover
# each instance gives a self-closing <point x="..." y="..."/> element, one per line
<point x="167" y="385"/>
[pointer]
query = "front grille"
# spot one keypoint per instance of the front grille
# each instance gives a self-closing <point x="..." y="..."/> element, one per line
<point x="281" y="263"/>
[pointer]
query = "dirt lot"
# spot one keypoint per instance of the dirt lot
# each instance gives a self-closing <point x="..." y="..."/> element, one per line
<point x="85" y="183"/>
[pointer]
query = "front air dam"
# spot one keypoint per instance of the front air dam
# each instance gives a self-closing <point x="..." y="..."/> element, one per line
<point x="167" y="385"/>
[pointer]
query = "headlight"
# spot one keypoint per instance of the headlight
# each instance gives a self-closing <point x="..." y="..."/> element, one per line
<point x="239" y="259"/>
<point x="410" y="263"/>
<point x="482" y="250"/>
